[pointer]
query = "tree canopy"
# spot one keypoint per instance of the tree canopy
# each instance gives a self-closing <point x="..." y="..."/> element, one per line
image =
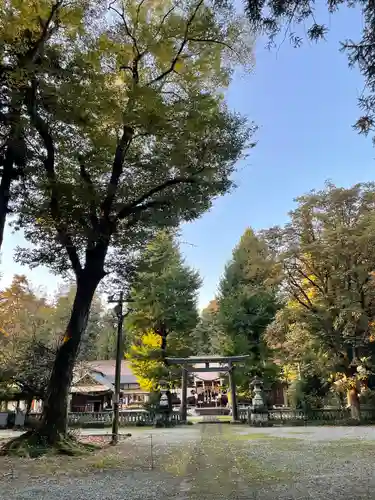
<point x="153" y="147"/>
<point x="327" y="256"/>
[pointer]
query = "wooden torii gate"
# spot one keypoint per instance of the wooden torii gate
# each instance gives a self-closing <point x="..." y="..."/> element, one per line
<point x="226" y="365"/>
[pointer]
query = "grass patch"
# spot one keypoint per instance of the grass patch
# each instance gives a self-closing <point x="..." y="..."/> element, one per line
<point x="110" y="461"/>
<point x="177" y="463"/>
<point x="348" y="446"/>
<point x="276" y="442"/>
<point x="257" y="471"/>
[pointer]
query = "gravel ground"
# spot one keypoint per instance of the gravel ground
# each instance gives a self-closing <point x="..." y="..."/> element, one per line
<point x="217" y="462"/>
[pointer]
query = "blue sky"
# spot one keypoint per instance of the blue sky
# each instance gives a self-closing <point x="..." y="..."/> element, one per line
<point x="304" y="102"/>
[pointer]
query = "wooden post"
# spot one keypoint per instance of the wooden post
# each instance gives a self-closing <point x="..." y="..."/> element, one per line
<point x="119" y="356"/>
<point x="232" y="384"/>
<point x="184" y="384"/>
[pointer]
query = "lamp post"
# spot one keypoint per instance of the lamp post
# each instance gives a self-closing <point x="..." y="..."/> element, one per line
<point x="119" y="354"/>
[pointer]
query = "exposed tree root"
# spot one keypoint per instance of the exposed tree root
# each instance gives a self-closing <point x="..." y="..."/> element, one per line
<point x="33" y="444"/>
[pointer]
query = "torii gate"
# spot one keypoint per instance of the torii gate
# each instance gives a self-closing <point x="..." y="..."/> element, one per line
<point x="226" y="365"/>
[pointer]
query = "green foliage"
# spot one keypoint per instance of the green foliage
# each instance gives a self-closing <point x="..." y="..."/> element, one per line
<point x="327" y="254"/>
<point x="209" y="337"/>
<point x="34" y="36"/>
<point x="308" y="392"/>
<point x="163" y="311"/>
<point x="99" y="339"/>
<point x="153" y="147"/>
<point x="247" y="304"/>
<point x="281" y="20"/>
<point x="164" y="292"/>
<point x="32" y="330"/>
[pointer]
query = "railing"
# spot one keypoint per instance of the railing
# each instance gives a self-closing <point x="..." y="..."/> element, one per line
<point x="95" y="417"/>
<point x="277" y="416"/>
<point x="318" y="415"/>
<point x="104" y="418"/>
<point x="290" y="416"/>
<point x="243" y="414"/>
<point x="283" y="415"/>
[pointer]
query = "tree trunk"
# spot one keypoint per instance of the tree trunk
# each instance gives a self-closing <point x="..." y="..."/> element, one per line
<point x="29" y="403"/>
<point x="6" y="181"/>
<point x="55" y="414"/>
<point x="353" y="399"/>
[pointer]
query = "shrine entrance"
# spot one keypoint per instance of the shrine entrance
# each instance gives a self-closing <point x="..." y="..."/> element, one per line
<point x="223" y="365"/>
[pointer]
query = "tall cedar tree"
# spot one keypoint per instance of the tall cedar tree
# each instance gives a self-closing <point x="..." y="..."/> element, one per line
<point x="296" y="19"/>
<point x="163" y="300"/>
<point x="130" y="135"/>
<point x="247" y="303"/>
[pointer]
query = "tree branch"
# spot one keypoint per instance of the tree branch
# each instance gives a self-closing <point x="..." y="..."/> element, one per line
<point x="312" y="282"/>
<point x="298" y="287"/>
<point x="212" y="40"/>
<point x="182" y="46"/>
<point x="85" y="176"/>
<point x="117" y="169"/>
<point x="128" y="32"/>
<point x="137" y="205"/>
<point x="138" y="211"/>
<point x="49" y="166"/>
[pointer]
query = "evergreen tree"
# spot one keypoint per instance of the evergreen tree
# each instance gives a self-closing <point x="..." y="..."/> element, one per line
<point x="164" y="300"/>
<point x="208" y="334"/>
<point x="247" y="304"/>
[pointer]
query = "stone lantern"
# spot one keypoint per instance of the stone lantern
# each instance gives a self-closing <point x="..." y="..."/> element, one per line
<point x="163" y="410"/>
<point x="258" y="413"/>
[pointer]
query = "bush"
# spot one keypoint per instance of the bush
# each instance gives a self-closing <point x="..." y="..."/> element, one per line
<point x="367" y="397"/>
<point x="140" y="423"/>
<point x="309" y="392"/>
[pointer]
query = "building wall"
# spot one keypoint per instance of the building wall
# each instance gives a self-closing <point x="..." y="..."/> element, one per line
<point x="85" y="402"/>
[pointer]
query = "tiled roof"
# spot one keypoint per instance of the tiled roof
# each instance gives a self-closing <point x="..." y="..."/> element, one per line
<point x="108" y="367"/>
<point x="87" y="389"/>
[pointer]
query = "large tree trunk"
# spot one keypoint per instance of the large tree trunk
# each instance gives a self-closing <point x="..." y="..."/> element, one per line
<point x="6" y="181"/>
<point x="55" y="414"/>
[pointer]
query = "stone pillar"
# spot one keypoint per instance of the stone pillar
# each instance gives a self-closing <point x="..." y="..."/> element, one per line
<point x="184" y="384"/>
<point x="232" y="385"/>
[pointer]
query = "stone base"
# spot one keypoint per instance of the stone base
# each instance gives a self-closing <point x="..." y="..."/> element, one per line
<point x="262" y="424"/>
<point x="259" y="418"/>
